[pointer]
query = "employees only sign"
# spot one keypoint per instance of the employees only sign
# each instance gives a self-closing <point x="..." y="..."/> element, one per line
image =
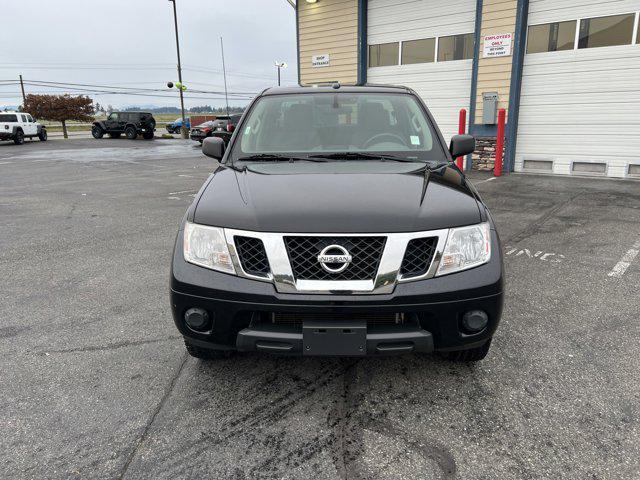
<point x="498" y="45"/>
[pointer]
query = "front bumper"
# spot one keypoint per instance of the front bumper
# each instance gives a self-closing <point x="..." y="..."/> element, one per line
<point x="433" y="309"/>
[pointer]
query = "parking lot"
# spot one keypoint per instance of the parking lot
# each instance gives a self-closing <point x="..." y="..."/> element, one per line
<point x="95" y="382"/>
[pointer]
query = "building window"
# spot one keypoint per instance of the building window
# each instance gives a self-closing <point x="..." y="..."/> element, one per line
<point x="455" y="47"/>
<point x="606" y="31"/>
<point x="551" y="37"/>
<point x="419" y="51"/>
<point x="383" y="54"/>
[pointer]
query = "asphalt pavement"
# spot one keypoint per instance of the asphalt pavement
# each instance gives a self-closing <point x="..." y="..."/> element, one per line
<point x="95" y="382"/>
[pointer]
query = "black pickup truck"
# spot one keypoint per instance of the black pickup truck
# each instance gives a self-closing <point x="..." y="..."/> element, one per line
<point x="336" y="223"/>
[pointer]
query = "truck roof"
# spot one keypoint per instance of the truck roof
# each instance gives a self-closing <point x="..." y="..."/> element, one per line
<point x="343" y="88"/>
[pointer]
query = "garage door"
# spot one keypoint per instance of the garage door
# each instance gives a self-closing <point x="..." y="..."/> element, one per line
<point x="581" y="89"/>
<point x="426" y="45"/>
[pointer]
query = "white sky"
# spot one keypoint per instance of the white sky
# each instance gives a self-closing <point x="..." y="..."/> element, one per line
<point x="131" y="43"/>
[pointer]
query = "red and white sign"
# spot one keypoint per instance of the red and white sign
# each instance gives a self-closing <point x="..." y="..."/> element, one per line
<point x="498" y="45"/>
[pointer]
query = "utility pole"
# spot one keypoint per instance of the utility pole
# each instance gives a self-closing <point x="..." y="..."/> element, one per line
<point x="224" y="71"/>
<point x="24" y="97"/>
<point x="183" y="129"/>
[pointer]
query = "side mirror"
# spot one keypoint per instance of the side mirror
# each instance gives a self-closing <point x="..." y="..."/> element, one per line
<point x="462" y="145"/>
<point x="213" y="147"/>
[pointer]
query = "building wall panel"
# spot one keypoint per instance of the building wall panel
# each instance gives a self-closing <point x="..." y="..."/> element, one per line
<point x="328" y="27"/>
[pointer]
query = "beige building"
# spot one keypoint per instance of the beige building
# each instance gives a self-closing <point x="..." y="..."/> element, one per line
<point x="562" y="69"/>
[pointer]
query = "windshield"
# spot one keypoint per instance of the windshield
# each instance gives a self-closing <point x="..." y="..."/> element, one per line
<point x="331" y="123"/>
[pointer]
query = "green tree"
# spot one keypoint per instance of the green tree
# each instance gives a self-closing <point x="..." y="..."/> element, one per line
<point x="60" y="108"/>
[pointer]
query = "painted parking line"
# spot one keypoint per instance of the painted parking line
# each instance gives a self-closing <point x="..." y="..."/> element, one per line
<point x="484" y="181"/>
<point x="5" y="163"/>
<point x="551" y="257"/>
<point x="183" y="191"/>
<point x="627" y="259"/>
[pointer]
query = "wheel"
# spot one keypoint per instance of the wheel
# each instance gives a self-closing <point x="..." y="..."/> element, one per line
<point x="131" y="133"/>
<point x="19" y="138"/>
<point x="205" y="353"/>
<point x="43" y="135"/>
<point x="97" y="131"/>
<point x="471" y="355"/>
<point x="147" y="135"/>
<point x="114" y="135"/>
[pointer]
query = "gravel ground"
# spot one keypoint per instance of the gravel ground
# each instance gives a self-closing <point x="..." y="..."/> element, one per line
<point x="95" y="383"/>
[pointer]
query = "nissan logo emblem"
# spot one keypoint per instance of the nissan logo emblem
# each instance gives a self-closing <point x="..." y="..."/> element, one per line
<point x="334" y="259"/>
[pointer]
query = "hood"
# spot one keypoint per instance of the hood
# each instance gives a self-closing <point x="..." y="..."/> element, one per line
<point x="336" y="197"/>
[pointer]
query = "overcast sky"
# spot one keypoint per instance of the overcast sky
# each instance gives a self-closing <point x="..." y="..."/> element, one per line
<point x="131" y="43"/>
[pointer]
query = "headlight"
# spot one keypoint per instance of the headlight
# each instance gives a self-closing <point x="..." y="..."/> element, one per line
<point x="466" y="247"/>
<point x="207" y="247"/>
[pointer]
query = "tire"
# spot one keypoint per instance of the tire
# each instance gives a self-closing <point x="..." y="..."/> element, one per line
<point x="19" y="138"/>
<point x="205" y="353"/>
<point x="43" y="135"/>
<point x="97" y="131"/>
<point x="147" y="135"/>
<point x="131" y="132"/>
<point x="114" y="135"/>
<point x="471" y="355"/>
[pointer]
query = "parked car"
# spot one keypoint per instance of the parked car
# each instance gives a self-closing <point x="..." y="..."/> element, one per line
<point x="131" y="124"/>
<point x="17" y="126"/>
<point x="202" y="131"/>
<point x="337" y="224"/>
<point x="222" y="127"/>
<point x="176" y="125"/>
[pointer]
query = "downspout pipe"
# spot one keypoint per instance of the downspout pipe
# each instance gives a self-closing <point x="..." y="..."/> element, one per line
<point x="362" y="41"/>
<point x="515" y="88"/>
<point x="474" y="77"/>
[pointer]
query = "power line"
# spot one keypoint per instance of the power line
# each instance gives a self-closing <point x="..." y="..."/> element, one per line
<point x="128" y="66"/>
<point x="62" y="85"/>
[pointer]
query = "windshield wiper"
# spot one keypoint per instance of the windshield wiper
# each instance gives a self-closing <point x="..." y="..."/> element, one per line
<point x="276" y="157"/>
<point x="364" y="156"/>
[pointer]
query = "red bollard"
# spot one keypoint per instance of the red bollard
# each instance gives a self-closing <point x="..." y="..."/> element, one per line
<point x="462" y="126"/>
<point x="497" y="167"/>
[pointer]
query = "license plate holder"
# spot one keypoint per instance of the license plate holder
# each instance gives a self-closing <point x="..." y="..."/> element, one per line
<point x="334" y="338"/>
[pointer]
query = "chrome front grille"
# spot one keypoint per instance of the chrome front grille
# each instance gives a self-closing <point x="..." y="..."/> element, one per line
<point x="377" y="262"/>
<point x="303" y="254"/>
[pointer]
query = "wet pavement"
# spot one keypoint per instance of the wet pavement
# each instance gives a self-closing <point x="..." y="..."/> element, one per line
<point x="95" y="382"/>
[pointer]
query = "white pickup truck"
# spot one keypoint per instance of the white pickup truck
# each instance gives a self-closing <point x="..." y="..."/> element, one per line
<point x="17" y="126"/>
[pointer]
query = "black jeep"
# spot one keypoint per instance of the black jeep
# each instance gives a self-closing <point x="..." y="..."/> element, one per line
<point x="131" y="124"/>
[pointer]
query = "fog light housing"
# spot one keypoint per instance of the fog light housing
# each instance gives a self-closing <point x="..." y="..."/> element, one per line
<point x="198" y="319"/>
<point x="474" y="321"/>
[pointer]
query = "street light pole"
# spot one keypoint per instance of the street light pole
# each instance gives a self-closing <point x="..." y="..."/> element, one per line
<point x="183" y="129"/>
<point x="280" y="65"/>
<point x="224" y="71"/>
